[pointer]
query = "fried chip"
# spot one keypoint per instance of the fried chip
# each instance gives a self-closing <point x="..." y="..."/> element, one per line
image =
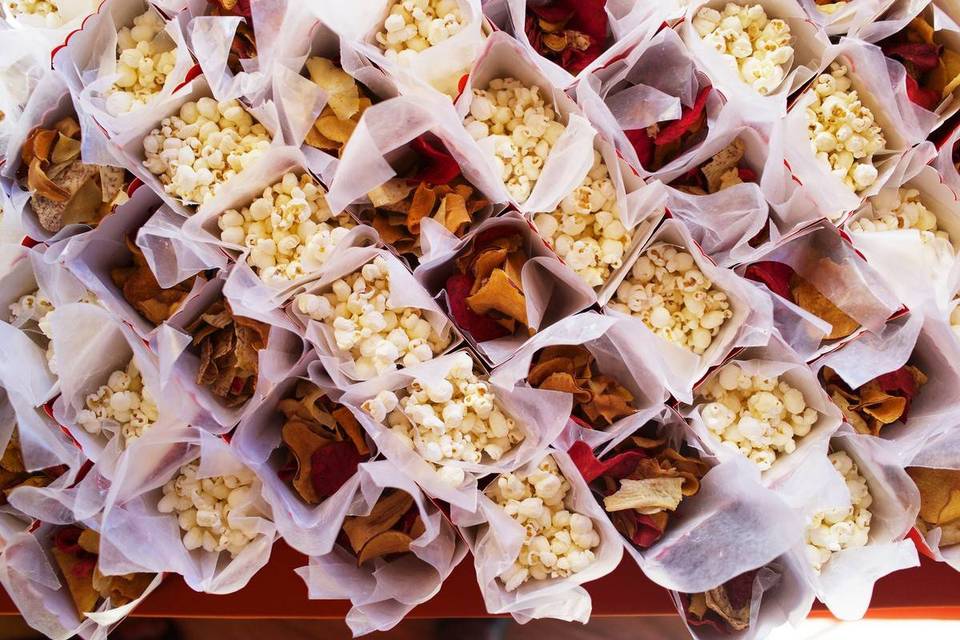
<point x="346" y="102"/>
<point x="808" y="298"/>
<point x="500" y="293"/>
<point x="884" y="400"/>
<point x="333" y="128"/>
<point x="939" y="494"/>
<point x="721" y="164"/>
<point x="140" y="288"/>
<point x="389" y="511"/>
<point x="646" y="496"/>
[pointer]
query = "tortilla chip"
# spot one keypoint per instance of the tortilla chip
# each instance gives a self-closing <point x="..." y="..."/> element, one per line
<point x="939" y="494"/>
<point x="808" y="298"/>
<point x="646" y="496"/>
<point x="333" y="128"/>
<point x="501" y="294"/>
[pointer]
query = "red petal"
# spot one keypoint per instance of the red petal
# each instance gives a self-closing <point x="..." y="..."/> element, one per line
<point x="747" y="174"/>
<point x="692" y="178"/>
<point x="740" y="589"/>
<point x="331" y="466"/>
<point x="590" y="17"/>
<point x="775" y="275"/>
<point x="925" y="57"/>
<point x="646" y="532"/>
<point x="926" y="98"/>
<point x="438" y="166"/>
<point x="481" y="328"/>
<point x="642" y="144"/>
<point x="554" y="12"/>
<point x="900" y="383"/>
<point x="688" y="117"/>
<point x="84" y="567"/>
<point x="65" y="539"/>
<point x="615" y="467"/>
<point x="582" y="423"/>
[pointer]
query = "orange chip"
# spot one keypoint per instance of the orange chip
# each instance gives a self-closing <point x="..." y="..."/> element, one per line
<point x="810" y="299"/>
<point x="498" y="293"/>
<point x="424" y="200"/>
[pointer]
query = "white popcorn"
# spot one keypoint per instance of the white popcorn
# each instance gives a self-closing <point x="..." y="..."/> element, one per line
<point x="518" y="127"/>
<point x="839" y="529"/>
<point x="456" y="418"/>
<point x="213" y="512"/>
<point x="145" y="56"/>
<point x="366" y="325"/>
<point x="674" y="298"/>
<point x="33" y="308"/>
<point x="586" y="229"/>
<point x="558" y="542"/>
<point x="416" y="25"/>
<point x="196" y="152"/>
<point x="46" y="10"/>
<point x="124" y="404"/>
<point x="757" y="47"/>
<point x="760" y="417"/>
<point x="843" y="133"/>
<point x="287" y="229"/>
<point x="903" y="209"/>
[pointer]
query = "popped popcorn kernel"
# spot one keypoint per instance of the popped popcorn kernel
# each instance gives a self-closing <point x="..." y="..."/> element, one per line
<point x="146" y="54"/>
<point x="121" y="405"/>
<point x="43" y="10"/>
<point x="835" y="530"/>
<point x="902" y="209"/>
<point x="413" y="26"/>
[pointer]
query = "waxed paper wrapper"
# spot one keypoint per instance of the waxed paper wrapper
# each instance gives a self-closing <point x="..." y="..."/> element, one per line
<point x="133" y="155"/>
<point x="903" y="257"/>
<point x="436" y="69"/>
<point x="29" y="576"/>
<point x="592" y="331"/>
<point x="927" y="343"/>
<point x="571" y="156"/>
<point x="650" y="85"/>
<point x="845" y="583"/>
<point x="178" y="364"/>
<point x="92" y="345"/>
<point x="849" y="17"/>
<point x="24" y="348"/>
<point x="43" y="37"/>
<point x="495" y="540"/>
<point x="21" y="70"/>
<point x="137" y="537"/>
<point x="89" y="65"/>
<point x="265" y="171"/>
<point x="808" y="42"/>
<point x="774" y="603"/>
<point x="639" y="23"/>
<point x="879" y="87"/>
<point x="551" y="290"/>
<point x="722" y="531"/>
<point x="773" y="360"/>
<point x="300" y="101"/>
<point x="405" y="292"/>
<point x="750" y="324"/>
<point x="384" y="130"/>
<point x="171" y="256"/>
<point x="944" y="164"/>
<point x="540" y="415"/>
<point x="940" y="452"/>
<point x="384" y="592"/>
<point x="256" y="441"/>
<point x="851" y="284"/>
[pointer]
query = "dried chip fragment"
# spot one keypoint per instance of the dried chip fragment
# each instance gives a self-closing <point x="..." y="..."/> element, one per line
<point x="647" y="496"/>
<point x="571" y="33"/>
<point x="884" y="400"/>
<point x="140" y="288"/>
<point x="14" y="474"/>
<point x="244" y="43"/>
<point x="939" y="501"/>
<point x="933" y="71"/>
<point x="727" y="607"/>
<point x="389" y="528"/>
<point x="346" y="102"/>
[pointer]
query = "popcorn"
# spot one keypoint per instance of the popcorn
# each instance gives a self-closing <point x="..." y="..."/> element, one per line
<point x="514" y="124"/>
<point x="674" y="298"/>
<point x="586" y="230"/>
<point x="125" y="401"/>
<point x="367" y="326"/>
<point x="839" y="529"/>
<point x="413" y="26"/>
<point x="208" y="143"/>
<point x="45" y="9"/>
<point x="455" y="418"/>
<point x="558" y="541"/>
<point x="760" y="417"/>
<point x="756" y="47"/>
<point x="217" y="513"/>
<point x="902" y="209"/>
<point x="842" y="130"/>
<point x="146" y="55"/>
<point x="286" y="229"/>
<point x="34" y="308"/>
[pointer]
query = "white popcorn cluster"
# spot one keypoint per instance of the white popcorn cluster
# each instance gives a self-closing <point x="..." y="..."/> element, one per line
<point x="286" y="229"/>
<point x="146" y="55"/>
<point x="124" y="400"/>
<point x="42" y="8"/>
<point x="35" y="307"/>
<point x="514" y="124"/>
<point x="206" y="145"/>
<point x="760" y="417"/>
<point x="674" y="298"/>
<point x="586" y="230"/>
<point x="901" y="209"/>
<point x="755" y="46"/>
<point x="453" y="418"/>
<point x="366" y="325"/>
<point x="558" y="542"/>
<point x="839" y="529"/>
<point x="415" y="25"/>
<point x="842" y="130"/>
<point x="216" y="513"/>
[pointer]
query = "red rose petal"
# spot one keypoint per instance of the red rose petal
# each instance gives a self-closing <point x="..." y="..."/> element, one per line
<point x="688" y="117"/>
<point x="775" y="275"/>
<point x="615" y="467"/>
<point x="555" y="12"/>
<point x="925" y="57"/>
<point x="646" y="532"/>
<point x="746" y="174"/>
<point x="481" y="328"/>
<point x="901" y="383"/>
<point x="590" y="17"/>
<point x="926" y="98"/>
<point x="439" y="167"/>
<point x="331" y="466"/>
<point x="642" y="144"/>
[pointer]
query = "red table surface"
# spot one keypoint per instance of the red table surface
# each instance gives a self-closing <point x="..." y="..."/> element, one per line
<point x="929" y="591"/>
